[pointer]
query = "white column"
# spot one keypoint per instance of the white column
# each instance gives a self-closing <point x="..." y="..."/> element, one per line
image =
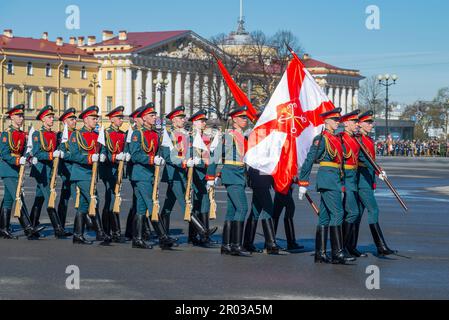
<point x="222" y="95"/>
<point x="178" y="89"/>
<point x="337" y="97"/>
<point x="356" y="98"/>
<point x="158" y="95"/>
<point x="169" y="93"/>
<point x="350" y="100"/>
<point x="128" y="91"/>
<point x="187" y="91"/>
<point x="330" y="94"/>
<point x="99" y="97"/>
<point x="119" y="86"/>
<point x="343" y="101"/>
<point x="250" y="89"/>
<point x="149" y="87"/>
<point x="205" y="92"/>
<point x="138" y="90"/>
<point x="196" y="91"/>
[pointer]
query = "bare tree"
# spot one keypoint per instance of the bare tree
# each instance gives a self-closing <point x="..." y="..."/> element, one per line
<point x="371" y="95"/>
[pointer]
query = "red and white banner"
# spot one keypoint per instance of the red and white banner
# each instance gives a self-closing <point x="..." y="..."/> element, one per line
<point x="283" y="135"/>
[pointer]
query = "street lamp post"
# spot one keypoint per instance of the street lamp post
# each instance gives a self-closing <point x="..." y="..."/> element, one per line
<point x="95" y="85"/>
<point x="385" y="80"/>
<point x="142" y="97"/>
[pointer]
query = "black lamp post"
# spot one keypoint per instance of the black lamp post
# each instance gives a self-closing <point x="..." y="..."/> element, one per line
<point x="95" y="85"/>
<point x="387" y="81"/>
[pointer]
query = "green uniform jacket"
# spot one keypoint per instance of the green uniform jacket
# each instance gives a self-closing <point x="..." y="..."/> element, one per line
<point x="143" y="162"/>
<point x="109" y="169"/>
<point x="234" y="169"/>
<point x="175" y="168"/>
<point x="207" y="169"/>
<point x="44" y="154"/>
<point x="328" y="178"/>
<point x="9" y="162"/>
<point x="65" y="166"/>
<point x="80" y="153"/>
<point x="366" y="172"/>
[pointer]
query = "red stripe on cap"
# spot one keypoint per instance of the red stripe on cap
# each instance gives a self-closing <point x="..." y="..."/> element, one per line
<point x="349" y="118"/>
<point x="177" y="114"/>
<point x="116" y="114"/>
<point x="199" y="117"/>
<point x="366" y="118"/>
<point x="147" y="111"/>
<point x="18" y="111"/>
<point x="68" y="115"/>
<point x="90" y="113"/>
<point x="239" y="114"/>
<point x="332" y="115"/>
<point x="45" y="113"/>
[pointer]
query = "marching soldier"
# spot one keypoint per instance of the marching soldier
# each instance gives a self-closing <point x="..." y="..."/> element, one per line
<point x="45" y="149"/>
<point x="83" y="153"/>
<point x="352" y="155"/>
<point x="328" y="151"/>
<point x="233" y="177"/>
<point x="112" y="153"/>
<point x="68" y="189"/>
<point x="144" y="153"/>
<point x="13" y="147"/>
<point x="137" y="122"/>
<point x="282" y="201"/>
<point x="203" y="177"/>
<point x="178" y="159"/>
<point x="367" y="185"/>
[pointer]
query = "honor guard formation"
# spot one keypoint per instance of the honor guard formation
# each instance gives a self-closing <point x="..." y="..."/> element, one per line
<point x="191" y="163"/>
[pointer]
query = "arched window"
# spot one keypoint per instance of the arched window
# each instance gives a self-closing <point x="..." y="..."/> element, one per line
<point x="10" y="67"/>
<point x="29" y="69"/>
<point x="48" y="70"/>
<point x="66" y="71"/>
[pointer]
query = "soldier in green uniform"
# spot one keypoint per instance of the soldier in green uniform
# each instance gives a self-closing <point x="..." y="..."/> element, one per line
<point x="144" y="153"/>
<point x="178" y="156"/>
<point x="328" y="151"/>
<point x="68" y="189"/>
<point x="352" y="156"/>
<point x="111" y="155"/>
<point x="83" y="153"/>
<point x="136" y="124"/>
<point x="367" y="185"/>
<point x="12" y="156"/>
<point x="45" y="149"/>
<point x="233" y="176"/>
<point x="203" y="175"/>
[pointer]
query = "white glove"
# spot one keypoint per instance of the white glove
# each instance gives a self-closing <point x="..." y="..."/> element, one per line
<point x="34" y="161"/>
<point x="210" y="184"/>
<point x="302" y="193"/>
<point x="23" y="161"/>
<point x="102" y="158"/>
<point x="197" y="161"/>
<point x="383" y="176"/>
<point x="61" y="155"/>
<point x="190" y="163"/>
<point x="56" y="154"/>
<point x="159" y="161"/>
<point x="218" y="181"/>
<point x="95" y="157"/>
<point x="127" y="157"/>
<point x="120" y="157"/>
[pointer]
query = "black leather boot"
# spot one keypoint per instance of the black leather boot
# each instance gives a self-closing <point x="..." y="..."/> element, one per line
<point x="98" y="227"/>
<point x="193" y="236"/>
<point x="5" y="218"/>
<point x="204" y="217"/>
<point x="90" y="224"/>
<point x="138" y="242"/>
<point x="106" y="222"/>
<point x="78" y="229"/>
<point x="129" y="224"/>
<point x="321" y="245"/>
<point x="54" y="218"/>
<point x="349" y="236"/>
<point x="165" y="242"/>
<point x="115" y="227"/>
<point x="379" y="241"/>
<point x="290" y="235"/>
<point x="236" y="240"/>
<point x="146" y="229"/>
<point x="354" y="251"/>
<point x="250" y="236"/>
<point x="270" y="239"/>
<point x="226" y="238"/>
<point x="165" y="219"/>
<point x="338" y="252"/>
<point x="201" y="230"/>
<point x="62" y="213"/>
<point x="36" y="211"/>
<point x="25" y="222"/>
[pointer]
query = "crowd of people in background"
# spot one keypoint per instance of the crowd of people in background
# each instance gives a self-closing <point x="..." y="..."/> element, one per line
<point x="412" y="148"/>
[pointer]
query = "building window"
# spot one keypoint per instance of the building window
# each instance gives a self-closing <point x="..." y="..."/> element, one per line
<point x="10" y="67"/>
<point x="66" y="71"/>
<point x="66" y="101"/>
<point x="109" y="75"/>
<point x="109" y="104"/>
<point x="83" y="102"/>
<point x="48" y="98"/>
<point x="10" y="101"/>
<point x="29" y="69"/>
<point x="48" y="70"/>
<point x="83" y="73"/>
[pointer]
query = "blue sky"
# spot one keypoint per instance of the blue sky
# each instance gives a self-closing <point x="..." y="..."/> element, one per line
<point x="412" y="41"/>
